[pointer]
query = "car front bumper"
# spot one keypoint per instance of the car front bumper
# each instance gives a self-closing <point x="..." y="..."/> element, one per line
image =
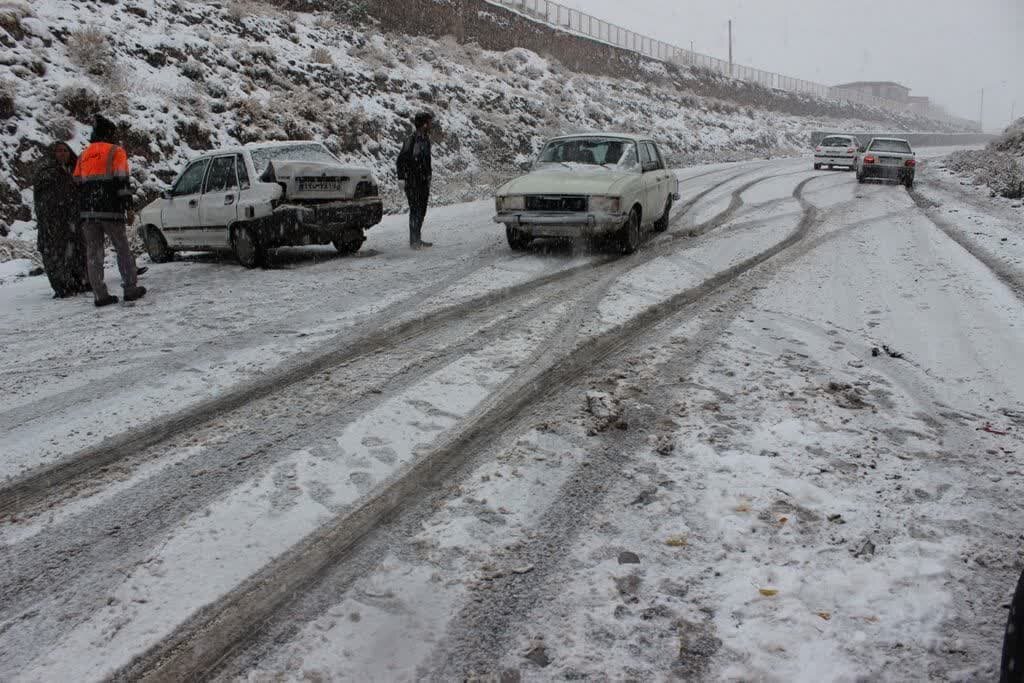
<point x="540" y="224"/>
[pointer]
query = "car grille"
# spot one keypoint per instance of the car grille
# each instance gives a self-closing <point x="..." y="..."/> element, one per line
<point x="556" y="203"/>
<point x="321" y="183"/>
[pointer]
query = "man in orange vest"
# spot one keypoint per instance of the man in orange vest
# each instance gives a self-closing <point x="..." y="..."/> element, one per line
<point x="105" y="200"/>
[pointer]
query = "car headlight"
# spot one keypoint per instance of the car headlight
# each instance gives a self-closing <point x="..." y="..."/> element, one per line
<point x="511" y="203"/>
<point x="605" y="204"/>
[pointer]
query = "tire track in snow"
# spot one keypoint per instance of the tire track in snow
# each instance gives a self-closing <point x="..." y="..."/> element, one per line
<point x="199" y="646"/>
<point x="1009" y="276"/>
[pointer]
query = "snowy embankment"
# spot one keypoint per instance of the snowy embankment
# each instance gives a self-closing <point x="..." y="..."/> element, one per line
<point x="181" y="77"/>
<point x="999" y="168"/>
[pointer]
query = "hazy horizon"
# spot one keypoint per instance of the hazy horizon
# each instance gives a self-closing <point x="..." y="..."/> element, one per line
<point x="943" y="49"/>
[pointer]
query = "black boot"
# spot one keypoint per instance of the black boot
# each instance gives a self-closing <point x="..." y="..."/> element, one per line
<point x="141" y="270"/>
<point x="108" y="300"/>
<point x="134" y="293"/>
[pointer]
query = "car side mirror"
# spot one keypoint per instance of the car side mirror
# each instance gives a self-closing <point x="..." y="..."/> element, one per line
<point x="166" y="194"/>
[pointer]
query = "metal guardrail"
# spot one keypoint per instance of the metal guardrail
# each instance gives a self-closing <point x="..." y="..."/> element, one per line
<point x="574" y="21"/>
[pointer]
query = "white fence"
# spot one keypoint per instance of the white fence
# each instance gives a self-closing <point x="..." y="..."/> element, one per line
<point x="572" y="20"/>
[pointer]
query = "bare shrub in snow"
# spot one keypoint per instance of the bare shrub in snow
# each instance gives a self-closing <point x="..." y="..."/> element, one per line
<point x="11" y="15"/>
<point x="7" y="99"/>
<point x="90" y="49"/>
<point x="321" y="55"/>
<point x="81" y="103"/>
<point x="194" y="70"/>
<point x="262" y="53"/>
<point x="59" y="127"/>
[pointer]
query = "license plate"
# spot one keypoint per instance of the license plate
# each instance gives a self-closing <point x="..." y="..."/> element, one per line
<point x="890" y="161"/>
<point x="319" y="186"/>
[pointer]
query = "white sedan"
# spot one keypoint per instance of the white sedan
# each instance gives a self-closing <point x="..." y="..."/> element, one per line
<point x="590" y="186"/>
<point x="259" y="197"/>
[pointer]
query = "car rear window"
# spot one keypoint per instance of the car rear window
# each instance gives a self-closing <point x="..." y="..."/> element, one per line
<point x="837" y="142"/>
<point x="897" y="146"/>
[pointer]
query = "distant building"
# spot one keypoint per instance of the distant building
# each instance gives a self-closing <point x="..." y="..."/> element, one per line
<point x="885" y="89"/>
<point x="919" y="105"/>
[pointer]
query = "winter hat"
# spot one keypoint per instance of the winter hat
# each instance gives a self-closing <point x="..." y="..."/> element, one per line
<point x="103" y="130"/>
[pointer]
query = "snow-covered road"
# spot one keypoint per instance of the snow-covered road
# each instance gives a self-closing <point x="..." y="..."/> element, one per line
<point x="779" y="443"/>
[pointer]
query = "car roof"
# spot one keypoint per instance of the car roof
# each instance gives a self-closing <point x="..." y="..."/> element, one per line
<point x="597" y="134"/>
<point x="890" y="140"/>
<point x="253" y="146"/>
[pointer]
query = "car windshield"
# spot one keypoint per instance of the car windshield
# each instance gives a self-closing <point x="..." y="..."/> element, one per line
<point x="596" y="151"/>
<point x="898" y="146"/>
<point x="313" y="151"/>
<point x="837" y="142"/>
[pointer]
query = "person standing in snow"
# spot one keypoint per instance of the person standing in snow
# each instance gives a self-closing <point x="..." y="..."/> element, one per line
<point x="105" y="196"/>
<point x="59" y="238"/>
<point x="414" y="173"/>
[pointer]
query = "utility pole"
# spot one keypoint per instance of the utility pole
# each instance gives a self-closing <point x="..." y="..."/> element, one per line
<point x="730" y="48"/>
<point x="1013" y="111"/>
<point x="981" y="111"/>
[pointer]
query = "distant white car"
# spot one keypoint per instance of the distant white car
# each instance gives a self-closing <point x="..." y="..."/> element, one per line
<point x="837" y="150"/>
<point x="590" y="186"/>
<point x="261" y="196"/>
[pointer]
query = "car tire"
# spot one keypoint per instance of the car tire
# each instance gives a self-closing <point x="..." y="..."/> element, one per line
<point x="246" y="245"/>
<point x="661" y="225"/>
<point x="156" y="245"/>
<point x="517" y="241"/>
<point x="349" y="246"/>
<point x="909" y="183"/>
<point x="1013" y="640"/>
<point x="629" y="235"/>
<point x="817" y="167"/>
<point x="860" y="178"/>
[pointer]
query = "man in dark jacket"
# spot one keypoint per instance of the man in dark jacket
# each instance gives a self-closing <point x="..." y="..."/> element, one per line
<point x="415" y="171"/>
<point x="59" y="240"/>
<point x="105" y="200"/>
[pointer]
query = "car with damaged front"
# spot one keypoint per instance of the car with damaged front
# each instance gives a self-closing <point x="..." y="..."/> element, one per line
<point x="887" y="159"/>
<point x="593" y="186"/>
<point x="262" y="196"/>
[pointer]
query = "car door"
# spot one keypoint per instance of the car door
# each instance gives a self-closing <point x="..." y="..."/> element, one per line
<point x="656" y="181"/>
<point x="218" y="207"/>
<point x="180" y="212"/>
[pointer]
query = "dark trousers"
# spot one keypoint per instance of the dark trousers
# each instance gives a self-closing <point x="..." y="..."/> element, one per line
<point x="94" y="244"/>
<point x="418" y="196"/>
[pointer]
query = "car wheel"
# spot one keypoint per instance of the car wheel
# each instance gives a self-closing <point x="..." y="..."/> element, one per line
<point x="1013" y="640"/>
<point x="156" y="245"/>
<point x="909" y="182"/>
<point x="248" y="250"/>
<point x="817" y="167"/>
<point x="860" y="178"/>
<point x="629" y="236"/>
<point x="517" y="240"/>
<point x="661" y="225"/>
<point x="349" y="246"/>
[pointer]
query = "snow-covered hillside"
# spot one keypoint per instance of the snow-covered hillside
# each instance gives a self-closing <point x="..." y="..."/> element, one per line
<point x="182" y="76"/>
<point x="999" y="168"/>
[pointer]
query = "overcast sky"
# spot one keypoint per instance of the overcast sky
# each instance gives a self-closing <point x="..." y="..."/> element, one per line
<point x="946" y="49"/>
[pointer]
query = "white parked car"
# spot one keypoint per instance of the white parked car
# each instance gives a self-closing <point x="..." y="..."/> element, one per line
<point x="836" y="150"/>
<point x="261" y="196"/>
<point x="590" y="186"/>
